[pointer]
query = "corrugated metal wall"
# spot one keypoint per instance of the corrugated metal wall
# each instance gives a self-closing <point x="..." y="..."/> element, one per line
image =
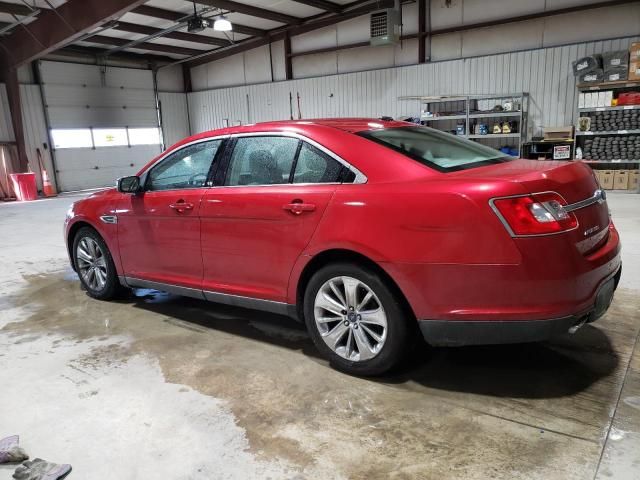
<point x="544" y="73"/>
<point x="35" y="131"/>
<point x="6" y="128"/>
<point x="175" y="117"/>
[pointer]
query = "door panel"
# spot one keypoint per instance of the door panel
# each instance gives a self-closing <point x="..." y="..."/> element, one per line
<point x="159" y="236"/>
<point x="252" y="236"/>
<point x="159" y="229"/>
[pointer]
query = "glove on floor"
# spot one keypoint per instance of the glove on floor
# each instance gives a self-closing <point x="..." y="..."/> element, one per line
<point x="39" y="469"/>
<point x="10" y="451"/>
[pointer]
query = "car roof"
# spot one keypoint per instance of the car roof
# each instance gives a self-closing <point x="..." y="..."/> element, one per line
<point x="351" y="125"/>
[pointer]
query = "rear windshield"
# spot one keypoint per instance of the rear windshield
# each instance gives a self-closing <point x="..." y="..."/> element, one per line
<point x="436" y="149"/>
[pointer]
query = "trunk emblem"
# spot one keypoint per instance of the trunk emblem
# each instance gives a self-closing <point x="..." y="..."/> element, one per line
<point x="591" y="230"/>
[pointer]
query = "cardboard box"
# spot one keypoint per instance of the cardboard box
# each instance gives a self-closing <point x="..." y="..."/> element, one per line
<point x="634" y="180"/>
<point x="634" y="70"/>
<point x="606" y="179"/>
<point x="555" y="133"/>
<point x="634" y="51"/>
<point x="621" y="180"/>
<point x="601" y="100"/>
<point x="608" y="98"/>
<point x="598" y="174"/>
<point x="634" y="61"/>
<point x="581" y="100"/>
<point x="590" y="99"/>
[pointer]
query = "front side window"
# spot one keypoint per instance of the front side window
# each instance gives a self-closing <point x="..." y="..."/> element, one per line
<point x="439" y="150"/>
<point x="264" y="160"/>
<point x="314" y="166"/>
<point x="186" y="168"/>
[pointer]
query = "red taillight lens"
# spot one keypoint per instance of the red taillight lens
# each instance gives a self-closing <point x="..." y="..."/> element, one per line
<point x="536" y="214"/>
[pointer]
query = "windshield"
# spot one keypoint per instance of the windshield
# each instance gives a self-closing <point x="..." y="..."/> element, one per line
<point x="442" y="151"/>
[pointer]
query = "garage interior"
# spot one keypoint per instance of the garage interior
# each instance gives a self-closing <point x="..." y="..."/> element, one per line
<point x="161" y="386"/>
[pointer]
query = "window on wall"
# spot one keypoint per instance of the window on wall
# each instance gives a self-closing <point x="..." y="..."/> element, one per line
<point x="144" y="136"/>
<point x="110" y="137"/>
<point x="71" y="138"/>
<point x="104" y="137"/>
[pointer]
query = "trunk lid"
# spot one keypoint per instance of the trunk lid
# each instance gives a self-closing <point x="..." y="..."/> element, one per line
<point x="573" y="180"/>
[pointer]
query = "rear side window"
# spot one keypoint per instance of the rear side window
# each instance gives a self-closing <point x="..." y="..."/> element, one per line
<point x="262" y="160"/>
<point x="314" y="166"/>
<point x="439" y="150"/>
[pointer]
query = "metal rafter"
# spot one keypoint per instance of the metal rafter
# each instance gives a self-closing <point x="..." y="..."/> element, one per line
<point x="154" y="47"/>
<point x="172" y="16"/>
<point x="185" y="37"/>
<point x="252" y="11"/>
<point x="322" y="5"/>
<point x="55" y="28"/>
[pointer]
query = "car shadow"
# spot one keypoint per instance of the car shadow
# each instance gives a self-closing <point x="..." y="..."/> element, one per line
<point x="562" y="367"/>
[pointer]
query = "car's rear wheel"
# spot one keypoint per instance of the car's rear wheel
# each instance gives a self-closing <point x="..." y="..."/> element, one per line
<point x="355" y="319"/>
<point x="94" y="265"/>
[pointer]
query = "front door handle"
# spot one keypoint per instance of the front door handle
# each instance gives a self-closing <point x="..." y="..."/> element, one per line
<point x="180" y="206"/>
<point x="297" y="207"/>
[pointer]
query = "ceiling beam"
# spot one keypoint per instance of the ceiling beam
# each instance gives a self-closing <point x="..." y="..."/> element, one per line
<point x="172" y="16"/>
<point x="15" y="9"/>
<point x="58" y="27"/>
<point x="322" y="5"/>
<point x="154" y="47"/>
<point x="185" y="37"/>
<point x="94" y="53"/>
<point x="252" y="11"/>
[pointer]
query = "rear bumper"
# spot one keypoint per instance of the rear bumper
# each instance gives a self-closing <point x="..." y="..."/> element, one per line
<point x="486" y="332"/>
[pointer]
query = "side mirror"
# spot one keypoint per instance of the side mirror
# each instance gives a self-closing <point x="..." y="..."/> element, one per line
<point x="129" y="184"/>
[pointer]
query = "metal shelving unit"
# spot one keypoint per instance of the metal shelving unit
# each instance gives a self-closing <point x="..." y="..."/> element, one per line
<point x="581" y="136"/>
<point x="469" y="109"/>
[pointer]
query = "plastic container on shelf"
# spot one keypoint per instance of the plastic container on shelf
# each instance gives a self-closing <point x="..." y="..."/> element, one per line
<point x="24" y="186"/>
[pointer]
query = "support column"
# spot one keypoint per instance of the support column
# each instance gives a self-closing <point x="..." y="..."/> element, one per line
<point x="288" y="64"/>
<point x="15" y="106"/>
<point x="422" y="21"/>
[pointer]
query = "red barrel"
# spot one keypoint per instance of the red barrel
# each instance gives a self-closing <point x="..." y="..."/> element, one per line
<point x="24" y="185"/>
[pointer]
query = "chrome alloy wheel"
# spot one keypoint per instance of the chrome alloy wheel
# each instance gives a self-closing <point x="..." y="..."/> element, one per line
<point x="350" y="318"/>
<point x="92" y="263"/>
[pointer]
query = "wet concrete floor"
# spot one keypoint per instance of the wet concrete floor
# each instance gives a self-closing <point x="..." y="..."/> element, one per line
<point x="160" y="386"/>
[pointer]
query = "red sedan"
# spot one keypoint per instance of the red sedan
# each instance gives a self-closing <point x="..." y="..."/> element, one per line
<point x="370" y="231"/>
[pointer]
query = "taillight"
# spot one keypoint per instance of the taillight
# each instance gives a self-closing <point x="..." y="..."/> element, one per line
<point x="535" y="214"/>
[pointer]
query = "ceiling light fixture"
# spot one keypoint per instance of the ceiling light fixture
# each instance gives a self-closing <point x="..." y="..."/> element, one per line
<point x="222" y="24"/>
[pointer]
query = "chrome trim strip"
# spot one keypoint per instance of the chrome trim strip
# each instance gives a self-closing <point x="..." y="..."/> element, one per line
<point x="112" y="219"/>
<point x="165" y="287"/>
<point x="598" y="197"/>
<point x="281" y="308"/>
<point x="247" y="302"/>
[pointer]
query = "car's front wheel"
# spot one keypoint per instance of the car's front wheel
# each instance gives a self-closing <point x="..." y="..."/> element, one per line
<point x="94" y="265"/>
<point x="355" y="319"/>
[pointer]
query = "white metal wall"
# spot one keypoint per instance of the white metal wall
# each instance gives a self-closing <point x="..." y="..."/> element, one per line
<point x="35" y="131"/>
<point x="175" y="117"/>
<point x="544" y="73"/>
<point x="263" y="64"/>
<point x="6" y="128"/>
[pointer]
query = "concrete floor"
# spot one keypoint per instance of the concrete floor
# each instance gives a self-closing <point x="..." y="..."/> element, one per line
<point x="158" y="386"/>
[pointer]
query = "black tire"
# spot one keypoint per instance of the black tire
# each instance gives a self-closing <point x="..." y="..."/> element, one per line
<point x="112" y="287"/>
<point x="397" y="341"/>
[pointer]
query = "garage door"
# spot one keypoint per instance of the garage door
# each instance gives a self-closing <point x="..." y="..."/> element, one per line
<point x="104" y="122"/>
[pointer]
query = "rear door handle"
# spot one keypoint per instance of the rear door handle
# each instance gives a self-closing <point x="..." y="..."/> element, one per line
<point x="180" y="206"/>
<point x="298" y="207"/>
